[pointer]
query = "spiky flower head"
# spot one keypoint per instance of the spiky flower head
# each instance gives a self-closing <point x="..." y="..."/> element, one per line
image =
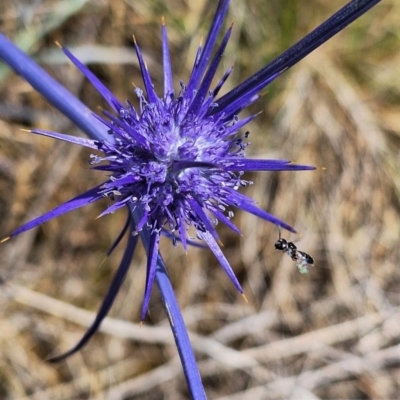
<point x="178" y="159"/>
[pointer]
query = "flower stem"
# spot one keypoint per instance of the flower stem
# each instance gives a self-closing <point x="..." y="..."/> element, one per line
<point x="176" y="322"/>
<point x="192" y="374"/>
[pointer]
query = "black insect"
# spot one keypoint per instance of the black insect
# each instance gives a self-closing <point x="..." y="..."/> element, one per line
<point x="302" y="259"/>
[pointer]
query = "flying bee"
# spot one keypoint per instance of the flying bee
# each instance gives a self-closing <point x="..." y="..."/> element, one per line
<point x="302" y="259"/>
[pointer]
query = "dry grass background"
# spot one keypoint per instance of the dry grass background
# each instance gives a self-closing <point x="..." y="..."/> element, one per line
<point x="331" y="334"/>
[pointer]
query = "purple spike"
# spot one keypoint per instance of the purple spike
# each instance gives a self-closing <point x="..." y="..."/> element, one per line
<point x="212" y="244"/>
<point x="91" y="144"/>
<point x="172" y="236"/>
<point x="206" y="82"/>
<point x="148" y="84"/>
<point x="222" y="81"/>
<point x="189" y="95"/>
<point x="182" y="231"/>
<point x="244" y="203"/>
<point x="110" y="168"/>
<point x="236" y="126"/>
<point x="131" y="110"/>
<point x="248" y="101"/>
<point x="108" y="301"/>
<point x="116" y="131"/>
<point x="142" y="222"/>
<point x="168" y="84"/>
<point x="345" y="16"/>
<point x="236" y="105"/>
<point x="128" y="129"/>
<point x="206" y="105"/>
<point x="224" y="219"/>
<point x="82" y="200"/>
<point x="151" y="271"/>
<point x="124" y="180"/>
<point x="121" y="235"/>
<point x="204" y="218"/>
<point x="107" y="95"/>
<point x="115" y="206"/>
<point x="264" y="165"/>
<point x="205" y="56"/>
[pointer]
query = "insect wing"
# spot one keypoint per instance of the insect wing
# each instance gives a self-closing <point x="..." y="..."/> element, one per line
<point x="309" y="259"/>
<point x="303" y="261"/>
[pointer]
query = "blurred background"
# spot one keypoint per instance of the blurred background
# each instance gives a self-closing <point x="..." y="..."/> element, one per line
<point x="331" y="334"/>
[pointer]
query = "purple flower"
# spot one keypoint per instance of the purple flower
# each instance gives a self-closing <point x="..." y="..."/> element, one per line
<point x="177" y="160"/>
